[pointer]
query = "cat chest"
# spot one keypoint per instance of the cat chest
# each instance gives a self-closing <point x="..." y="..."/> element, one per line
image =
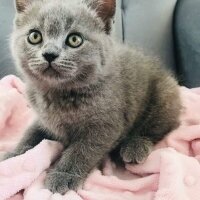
<point x="58" y="116"/>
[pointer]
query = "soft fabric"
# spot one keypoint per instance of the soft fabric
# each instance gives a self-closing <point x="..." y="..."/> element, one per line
<point x="15" y="114"/>
<point x="171" y="172"/>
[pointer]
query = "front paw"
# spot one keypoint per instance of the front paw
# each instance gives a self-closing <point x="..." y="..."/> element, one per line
<point x="61" y="182"/>
<point x="136" y="150"/>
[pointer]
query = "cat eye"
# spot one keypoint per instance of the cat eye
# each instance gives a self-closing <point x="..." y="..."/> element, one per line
<point x="34" y="37"/>
<point x="74" y="40"/>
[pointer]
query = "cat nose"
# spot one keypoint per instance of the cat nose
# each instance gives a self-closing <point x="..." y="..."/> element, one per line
<point x="50" y="56"/>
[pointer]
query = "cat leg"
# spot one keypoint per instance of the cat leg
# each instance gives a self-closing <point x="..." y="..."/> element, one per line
<point x="161" y="115"/>
<point x="80" y="157"/>
<point x="33" y="136"/>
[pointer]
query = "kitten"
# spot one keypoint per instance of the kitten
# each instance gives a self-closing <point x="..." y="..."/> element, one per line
<point x="92" y="94"/>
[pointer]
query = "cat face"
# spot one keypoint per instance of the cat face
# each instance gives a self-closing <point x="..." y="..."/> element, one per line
<point x="61" y="43"/>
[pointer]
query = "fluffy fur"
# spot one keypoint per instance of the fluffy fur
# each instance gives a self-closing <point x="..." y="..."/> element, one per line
<point x="99" y="98"/>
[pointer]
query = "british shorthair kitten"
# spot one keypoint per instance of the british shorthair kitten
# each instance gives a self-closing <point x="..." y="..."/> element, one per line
<point x="92" y="94"/>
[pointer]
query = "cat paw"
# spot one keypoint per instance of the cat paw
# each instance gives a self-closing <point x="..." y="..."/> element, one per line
<point x="136" y="151"/>
<point x="61" y="182"/>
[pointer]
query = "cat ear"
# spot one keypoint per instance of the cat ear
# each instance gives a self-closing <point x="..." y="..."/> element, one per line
<point x="105" y="10"/>
<point x="21" y="5"/>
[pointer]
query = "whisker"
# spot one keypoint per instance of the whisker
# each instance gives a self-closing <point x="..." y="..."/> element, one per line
<point x="36" y="63"/>
<point x="66" y="66"/>
<point x="70" y="60"/>
<point x="31" y="54"/>
<point x="67" y="63"/>
<point x="35" y="59"/>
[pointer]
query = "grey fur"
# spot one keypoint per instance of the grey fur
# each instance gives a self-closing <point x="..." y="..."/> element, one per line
<point x="101" y="98"/>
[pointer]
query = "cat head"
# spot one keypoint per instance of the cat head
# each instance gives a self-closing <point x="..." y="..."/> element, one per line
<point x="63" y="42"/>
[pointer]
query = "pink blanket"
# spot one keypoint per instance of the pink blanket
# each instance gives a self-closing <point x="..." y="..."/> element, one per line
<point x="171" y="172"/>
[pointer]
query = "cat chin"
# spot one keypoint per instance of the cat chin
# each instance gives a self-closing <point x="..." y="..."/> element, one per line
<point x="52" y="78"/>
<point x="49" y="83"/>
<point x="48" y="80"/>
<point x="58" y="83"/>
<point x="54" y="71"/>
<point x="50" y="74"/>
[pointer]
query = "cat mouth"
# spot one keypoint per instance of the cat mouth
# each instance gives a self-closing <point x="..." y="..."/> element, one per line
<point x="53" y="70"/>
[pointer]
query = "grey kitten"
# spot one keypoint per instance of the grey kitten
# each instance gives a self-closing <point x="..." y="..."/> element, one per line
<point x="92" y="94"/>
